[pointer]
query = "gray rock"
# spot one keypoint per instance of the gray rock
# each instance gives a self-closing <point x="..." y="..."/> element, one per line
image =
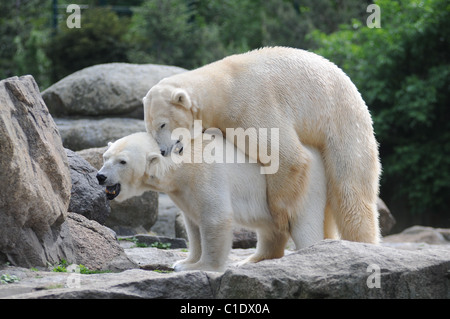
<point x="174" y="243"/>
<point x="421" y="234"/>
<point x="243" y="238"/>
<point x="34" y="173"/>
<point x="93" y="156"/>
<point x="387" y="221"/>
<point x="88" y="197"/>
<point x="341" y="269"/>
<point x="328" y="269"/>
<point x="80" y="134"/>
<point x="96" y="246"/>
<point x="105" y="90"/>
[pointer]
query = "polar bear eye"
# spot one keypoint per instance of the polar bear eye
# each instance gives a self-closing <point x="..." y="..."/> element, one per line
<point x="123" y="162"/>
<point x="162" y="126"/>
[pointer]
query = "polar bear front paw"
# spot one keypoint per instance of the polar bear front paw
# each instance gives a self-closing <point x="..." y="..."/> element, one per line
<point x="182" y="265"/>
<point x="185" y="266"/>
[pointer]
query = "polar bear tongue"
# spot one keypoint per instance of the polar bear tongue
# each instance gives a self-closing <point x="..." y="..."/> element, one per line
<point x="112" y="191"/>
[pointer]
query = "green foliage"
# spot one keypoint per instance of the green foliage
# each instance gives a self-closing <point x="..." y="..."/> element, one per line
<point x="99" y="40"/>
<point x="24" y="32"/>
<point x="7" y="279"/>
<point x="160" y="245"/>
<point x="403" y="72"/>
<point x="63" y="265"/>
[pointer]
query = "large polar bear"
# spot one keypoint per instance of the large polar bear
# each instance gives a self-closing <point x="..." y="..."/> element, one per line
<point x="213" y="197"/>
<point x="311" y="101"/>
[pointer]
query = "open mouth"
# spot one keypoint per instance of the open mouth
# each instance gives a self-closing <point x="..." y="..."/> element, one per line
<point x="112" y="191"/>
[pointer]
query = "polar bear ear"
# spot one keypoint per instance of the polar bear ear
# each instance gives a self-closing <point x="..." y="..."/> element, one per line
<point x="181" y="97"/>
<point x="153" y="158"/>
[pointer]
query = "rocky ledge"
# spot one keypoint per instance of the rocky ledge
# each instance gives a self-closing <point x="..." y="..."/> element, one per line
<point x="329" y="269"/>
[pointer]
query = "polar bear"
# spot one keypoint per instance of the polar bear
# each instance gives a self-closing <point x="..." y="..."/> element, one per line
<point x="311" y="101"/>
<point x="213" y="197"/>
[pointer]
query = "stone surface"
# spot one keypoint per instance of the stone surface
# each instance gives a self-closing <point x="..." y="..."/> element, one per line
<point x="386" y="220"/>
<point x="421" y="234"/>
<point x="105" y="90"/>
<point x="148" y="240"/>
<point x="87" y="197"/>
<point x="96" y="246"/>
<point x="80" y="134"/>
<point x="34" y="176"/>
<point x="328" y="269"/>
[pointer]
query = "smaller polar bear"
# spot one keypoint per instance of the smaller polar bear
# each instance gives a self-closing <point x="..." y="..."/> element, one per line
<point x="214" y="196"/>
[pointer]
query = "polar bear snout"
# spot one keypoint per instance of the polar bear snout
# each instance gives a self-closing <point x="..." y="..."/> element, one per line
<point x="101" y="178"/>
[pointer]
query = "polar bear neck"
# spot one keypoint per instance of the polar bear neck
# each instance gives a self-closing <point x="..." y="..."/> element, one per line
<point x="162" y="175"/>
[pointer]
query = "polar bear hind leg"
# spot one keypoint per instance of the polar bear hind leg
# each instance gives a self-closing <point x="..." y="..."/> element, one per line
<point x="352" y="196"/>
<point x="285" y="188"/>
<point x="307" y="227"/>
<point x="270" y="245"/>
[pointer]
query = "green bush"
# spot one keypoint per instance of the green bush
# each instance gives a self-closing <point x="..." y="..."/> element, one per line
<point x="101" y="39"/>
<point x="403" y="72"/>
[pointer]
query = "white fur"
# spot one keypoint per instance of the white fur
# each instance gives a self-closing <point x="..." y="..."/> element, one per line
<point x="312" y="102"/>
<point x="215" y="196"/>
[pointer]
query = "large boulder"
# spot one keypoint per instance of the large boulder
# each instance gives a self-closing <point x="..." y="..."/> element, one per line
<point x="88" y="197"/>
<point x="35" y="180"/>
<point x="387" y="221"/>
<point x="79" y="134"/>
<point x="421" y="234"/>
<point x="96" y="246"/>
<point x="105" y="90"/>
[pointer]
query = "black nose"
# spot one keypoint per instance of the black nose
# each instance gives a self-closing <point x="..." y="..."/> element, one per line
<point x="163" y="152"/>
<point x="101" y="178"/>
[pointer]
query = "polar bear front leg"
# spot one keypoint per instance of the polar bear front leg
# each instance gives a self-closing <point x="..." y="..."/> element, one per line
<point x="195" y="249"/>
<point x="216" y="241"/>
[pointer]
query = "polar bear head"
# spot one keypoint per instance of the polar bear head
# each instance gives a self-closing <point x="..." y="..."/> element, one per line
<point x="129" y="164"/>
<point x="166" y="108"/>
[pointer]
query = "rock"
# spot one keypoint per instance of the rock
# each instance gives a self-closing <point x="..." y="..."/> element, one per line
<point x="386" y="220"/>
<point x="35" y="178"/>
<point x="341" y="269"/>
<point x="148" y="240"/>
<point x="421" y="234"/>
<point x="105" y="89"/>
<point x="96" y="246"/>
<point x="88" y="197"/>
<point x="244" y="238"/>
<point x="133" y="216"/>
<point x="80" y="134"/>
<point x="93" y="156"/>
<point x="180" y="226"/>
<point x="328" y="269"/>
